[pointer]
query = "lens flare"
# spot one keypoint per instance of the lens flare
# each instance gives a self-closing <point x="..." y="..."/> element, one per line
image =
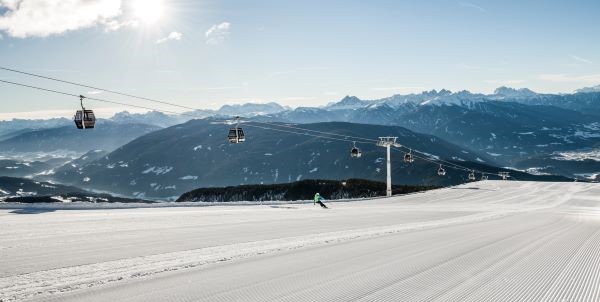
<point x="148" y="11"/>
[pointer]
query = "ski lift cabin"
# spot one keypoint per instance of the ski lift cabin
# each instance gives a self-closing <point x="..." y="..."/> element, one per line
<point x="236" y="134"/>
<point x="441" y="171"/>
<point x="84" y="118"/>
<point x="355" y="152"/>
<point x="472" y="176"/>
<point x="408" y="158"/>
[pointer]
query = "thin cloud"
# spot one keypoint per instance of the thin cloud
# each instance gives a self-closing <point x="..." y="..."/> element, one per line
<point x="474" y="6"/>
<point x="217" y="88"/>
<point x="217" y="33"/>
<point x="295" y="70"/>
<point x="114" y="25"/>
<point x="173" y="36"/>
<point x="93" y="92"/>
<point x="402" y="89"/>
<point x="505" y="82"/>
<point x="220" y="88"/>
<point x="22" y="18"/>
<point x="566" y="78"/>
<point x="298" y="98"/>
<point x="465" y="66"/>
<point x="580" y="59"/>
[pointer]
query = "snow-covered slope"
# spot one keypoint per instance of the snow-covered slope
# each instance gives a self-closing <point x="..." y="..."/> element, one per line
<point x="490" y="241"/>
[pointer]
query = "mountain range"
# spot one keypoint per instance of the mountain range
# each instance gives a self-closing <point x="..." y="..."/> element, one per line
<point x="22" y="190"/>
<point x="168" y="162"/>
<point x="511" y="125"/>
<point x="107" y="135"/>
<point x="11" y="128"/>
<point x="156" y="155"/>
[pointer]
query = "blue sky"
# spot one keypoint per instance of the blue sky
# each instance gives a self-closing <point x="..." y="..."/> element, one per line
<point x="205" y="54"/>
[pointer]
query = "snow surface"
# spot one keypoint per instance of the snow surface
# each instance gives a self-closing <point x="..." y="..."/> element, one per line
<point x="158" y="170"/>
<point x="578" y="155"/>
<point x="485" y="241"/>
<point x="590" y="176"/>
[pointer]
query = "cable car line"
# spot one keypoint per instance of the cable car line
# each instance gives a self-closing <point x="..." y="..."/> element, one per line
<point x="176" y="105"/>
<point x="151" y="100"/>
<point x="96" y="88"/>
<point x="91" y="98"/>
<point x="448" y="164"/>
<point x="315" y="131"/>
<point x="326" y="135"/>
<point x="301" y="133"/>
<point x="156" y="101"/>
<point x="172" y="112"/>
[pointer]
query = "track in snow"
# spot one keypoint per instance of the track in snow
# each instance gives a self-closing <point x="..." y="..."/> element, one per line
<point x="487" y="241"/>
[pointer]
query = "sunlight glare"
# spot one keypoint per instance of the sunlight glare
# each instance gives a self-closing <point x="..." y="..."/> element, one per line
<point x="148" y="11"/>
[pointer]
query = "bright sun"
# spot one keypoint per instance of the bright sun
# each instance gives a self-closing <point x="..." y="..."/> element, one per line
<point x="148" y="11"/>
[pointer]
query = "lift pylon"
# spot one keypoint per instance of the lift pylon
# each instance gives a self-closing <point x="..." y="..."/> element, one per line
<point x="388" y="142"/>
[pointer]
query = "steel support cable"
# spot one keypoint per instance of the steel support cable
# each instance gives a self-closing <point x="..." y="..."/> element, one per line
<point x="361" y="140"/>
<point x="89" y="98"/>
<point x="97" y="88"/>
<point x="304" y="133"/>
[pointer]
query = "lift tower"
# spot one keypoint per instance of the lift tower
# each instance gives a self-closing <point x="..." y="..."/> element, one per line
<point x="388" y="142"/>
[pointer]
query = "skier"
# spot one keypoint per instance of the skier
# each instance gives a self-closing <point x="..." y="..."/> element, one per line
<point x="318" y="199"/>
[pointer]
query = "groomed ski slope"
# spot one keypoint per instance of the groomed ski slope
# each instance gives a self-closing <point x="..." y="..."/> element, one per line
<point x="485" y="241"/>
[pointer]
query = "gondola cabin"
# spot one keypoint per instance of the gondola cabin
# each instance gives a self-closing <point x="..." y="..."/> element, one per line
<point x="85" y="119"/>
<point x="355" y="152"/>
<point x="441" y="171"/>
<point x="472" y="176"/>
<point x="236" y="135"/>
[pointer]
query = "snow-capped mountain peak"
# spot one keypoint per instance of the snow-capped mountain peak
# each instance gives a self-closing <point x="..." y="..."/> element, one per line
<point x="348" y="102"/>
<point x="588" y="89"/>
<point x="513" y="93"/>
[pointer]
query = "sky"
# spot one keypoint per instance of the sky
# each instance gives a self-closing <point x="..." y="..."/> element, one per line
<point x="206" y="53"/>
